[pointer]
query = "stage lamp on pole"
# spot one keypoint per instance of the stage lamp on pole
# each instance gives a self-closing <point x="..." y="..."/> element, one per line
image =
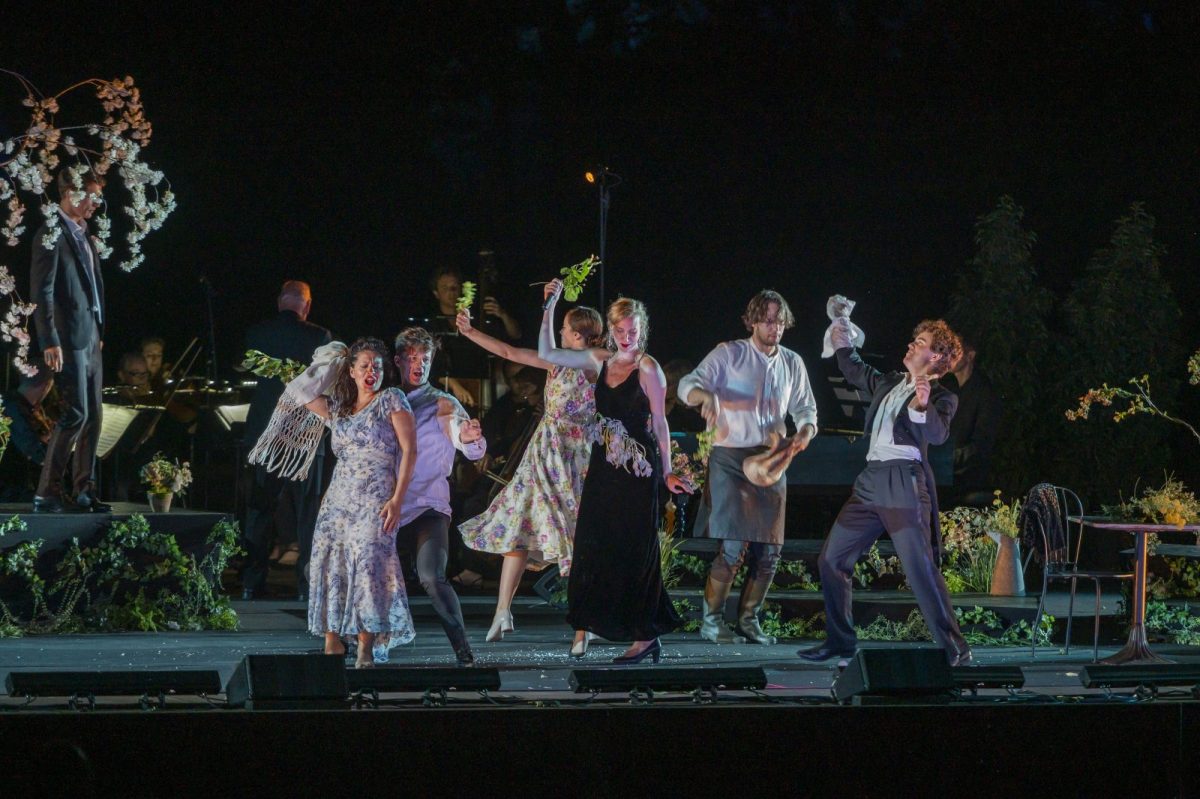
<point x="605" y="179"/>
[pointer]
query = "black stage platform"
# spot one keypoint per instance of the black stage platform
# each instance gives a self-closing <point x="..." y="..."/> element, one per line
<point x="534" y="735"/>
<point x="55" y="529"/>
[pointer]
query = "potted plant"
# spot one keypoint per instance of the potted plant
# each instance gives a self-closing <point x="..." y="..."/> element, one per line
<point x="163" y="480"/>
<point x="982" y="552"/>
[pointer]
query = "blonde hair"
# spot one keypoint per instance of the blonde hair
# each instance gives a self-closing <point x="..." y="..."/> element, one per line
<point x="622" y="309"/>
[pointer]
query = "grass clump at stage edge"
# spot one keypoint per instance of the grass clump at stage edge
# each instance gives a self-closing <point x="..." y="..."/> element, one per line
<point x="132" y="579"/>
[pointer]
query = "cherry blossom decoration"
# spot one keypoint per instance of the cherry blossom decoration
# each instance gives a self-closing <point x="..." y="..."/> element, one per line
<point x="29" y="162"/>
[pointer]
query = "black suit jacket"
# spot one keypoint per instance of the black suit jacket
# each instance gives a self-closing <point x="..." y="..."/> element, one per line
<point x="284" y="336"/>
<point x="935" y="429"/>
<point x="60" y="287"/>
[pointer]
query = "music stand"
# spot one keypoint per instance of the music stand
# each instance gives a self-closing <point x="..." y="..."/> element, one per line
<point x="121" y="429"/>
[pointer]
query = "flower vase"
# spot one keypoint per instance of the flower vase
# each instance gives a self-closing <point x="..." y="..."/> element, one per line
<point x="1007" y="576"/>
<point x="159" y="503"/>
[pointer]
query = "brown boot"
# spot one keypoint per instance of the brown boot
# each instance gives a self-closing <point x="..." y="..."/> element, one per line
<point x="754" y="594"/>
<point x="713" y="627"/>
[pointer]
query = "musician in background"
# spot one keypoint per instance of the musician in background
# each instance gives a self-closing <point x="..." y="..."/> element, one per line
<point x="152" y="351"/>
<point x="745" y="389"/>
<point x="133" y="377"/>
<point x="30" y="429"/>
<point x="290" y="506"/>
<point x="462" y="366"/>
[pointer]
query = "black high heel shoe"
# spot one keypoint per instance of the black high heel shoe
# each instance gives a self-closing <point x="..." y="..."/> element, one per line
<point x="654" y="651"/>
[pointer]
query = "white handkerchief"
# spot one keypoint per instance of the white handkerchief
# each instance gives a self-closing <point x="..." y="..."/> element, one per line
<point x="838" y="310"/>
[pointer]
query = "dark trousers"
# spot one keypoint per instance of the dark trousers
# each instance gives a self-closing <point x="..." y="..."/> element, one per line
<point x="760" y="558"/>
<point x="888" y="496"/>
<point x="427" y="538"/>
<point x="290" y="508"/>
<point x="80" y="387"/>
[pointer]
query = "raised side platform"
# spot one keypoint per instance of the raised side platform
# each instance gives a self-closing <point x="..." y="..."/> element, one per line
<point x="188" y="526"/>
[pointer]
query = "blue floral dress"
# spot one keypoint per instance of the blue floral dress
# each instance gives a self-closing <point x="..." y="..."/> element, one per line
<point x="536" y="511"/>
<point x="355" y="581"/>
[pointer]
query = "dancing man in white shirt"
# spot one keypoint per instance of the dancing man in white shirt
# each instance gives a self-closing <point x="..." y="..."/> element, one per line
<point x="442" y="428"/>
<point x="895" y="493"/>
<point x="745" y="390"/>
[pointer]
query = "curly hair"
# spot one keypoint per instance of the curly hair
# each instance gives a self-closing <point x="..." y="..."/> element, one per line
<point x="587" y="322"/>
<point x="759" y="306"/>
<point x="345" y="393"/>
<point x="943" y="341"/>
<point x="621" y="309"/>
<point x="417" y="337"/>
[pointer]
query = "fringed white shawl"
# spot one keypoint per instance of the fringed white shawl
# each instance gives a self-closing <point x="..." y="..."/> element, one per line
<point x="620" y="449"/>
<point x="289" y="444"/>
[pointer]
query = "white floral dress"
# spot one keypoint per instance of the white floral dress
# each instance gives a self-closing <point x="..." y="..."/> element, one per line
<point x="355" y="581"/>
<point x="536" y="511"/>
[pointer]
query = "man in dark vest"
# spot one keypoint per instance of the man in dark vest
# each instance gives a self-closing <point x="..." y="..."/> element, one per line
<point x="68" y="290"/>
<point x="895" y="493"/>
<point x="290" y="504"/>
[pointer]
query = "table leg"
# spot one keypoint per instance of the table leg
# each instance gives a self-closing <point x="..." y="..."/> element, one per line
<point x="1136" y="649"/>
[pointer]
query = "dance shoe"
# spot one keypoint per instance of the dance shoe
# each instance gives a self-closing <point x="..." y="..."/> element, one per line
<point x="963" y="658"/>
<point x="47" y="505"/>
<point x="579" y="648"/>
<point x="90" y="504"/>
<point x="654" y="651"/>
<point x="502" y="623"/>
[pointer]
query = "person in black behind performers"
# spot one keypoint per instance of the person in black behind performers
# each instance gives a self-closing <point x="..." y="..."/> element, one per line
<point x="68" y="290"/>
<point x="895" y="493"/>
<point x="973" y="429"/>
<point x="291" y="504"/>
<point x="680" y="418"/>
<point x="29" y="432"/>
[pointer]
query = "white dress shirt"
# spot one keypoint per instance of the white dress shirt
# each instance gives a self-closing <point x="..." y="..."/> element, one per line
<point x="883" y="442"/>
<point x="437" y="416"/>
<point x="756" y="391"/>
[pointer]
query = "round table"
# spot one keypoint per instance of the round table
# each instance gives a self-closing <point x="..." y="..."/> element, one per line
<point x="1136" y="649"/>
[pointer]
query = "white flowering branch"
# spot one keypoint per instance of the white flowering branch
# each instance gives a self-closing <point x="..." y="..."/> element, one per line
<point x="29" y="161"/>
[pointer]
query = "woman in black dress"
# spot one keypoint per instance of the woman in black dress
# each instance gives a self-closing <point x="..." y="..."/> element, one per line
<point x="615" y="589"/>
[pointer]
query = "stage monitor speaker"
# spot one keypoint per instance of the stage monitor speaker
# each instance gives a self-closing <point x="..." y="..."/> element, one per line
<point x="662" y="678"/>
<point x="415" y="679"/>
<point x="287" y="682"/>
<point x="906" y="673"/>
<point x="1153" y="675"/>
<point x="90" y="684"/>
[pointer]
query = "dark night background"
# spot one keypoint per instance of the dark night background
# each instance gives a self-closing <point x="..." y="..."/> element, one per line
<point x="813" y="147"/>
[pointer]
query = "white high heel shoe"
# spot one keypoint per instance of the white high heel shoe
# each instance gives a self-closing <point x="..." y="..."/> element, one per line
<point x="501" y="624"/>
<point x="579" y="648"/>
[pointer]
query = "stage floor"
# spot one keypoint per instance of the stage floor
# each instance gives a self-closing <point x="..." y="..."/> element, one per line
<point x="533" y="661"/>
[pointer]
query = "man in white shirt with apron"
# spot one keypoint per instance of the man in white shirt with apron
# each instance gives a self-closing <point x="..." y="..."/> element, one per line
<point x="745" y="390"/>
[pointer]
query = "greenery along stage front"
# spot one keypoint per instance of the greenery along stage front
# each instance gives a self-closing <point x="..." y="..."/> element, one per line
<point x="132" y="579"/>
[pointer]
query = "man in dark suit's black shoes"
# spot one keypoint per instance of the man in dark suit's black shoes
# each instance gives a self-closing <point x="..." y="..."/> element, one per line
<point x="821" y="653"/>
<point x="89" y="504"/>
<point x="47" y="505"/>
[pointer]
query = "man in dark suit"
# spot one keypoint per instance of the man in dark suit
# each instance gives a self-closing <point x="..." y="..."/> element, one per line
<point x="68" y="289"/>
<point x="290" y="504"/>
<point x="895" y="493"/>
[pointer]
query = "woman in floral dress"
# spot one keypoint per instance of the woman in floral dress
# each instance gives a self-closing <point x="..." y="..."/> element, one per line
<point x="532" y="520"/>
<point x="356" y="584"/>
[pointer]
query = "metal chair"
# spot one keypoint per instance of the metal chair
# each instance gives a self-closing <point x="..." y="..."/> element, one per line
<point x="1059" y="561"/>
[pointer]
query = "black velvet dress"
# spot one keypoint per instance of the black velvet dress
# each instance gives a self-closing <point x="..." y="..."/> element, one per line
<point x="615" y="588"/>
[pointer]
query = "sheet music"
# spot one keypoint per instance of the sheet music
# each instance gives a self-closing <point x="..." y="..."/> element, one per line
<point x="115" y="422"/>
